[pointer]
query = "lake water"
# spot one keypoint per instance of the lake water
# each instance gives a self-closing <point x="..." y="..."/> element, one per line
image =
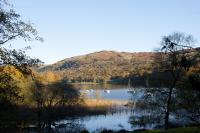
<point x="115" y="94"/>
<point x="96" y="123"/>
<point x="110" y="92"/>
<point x="114" y="121"/>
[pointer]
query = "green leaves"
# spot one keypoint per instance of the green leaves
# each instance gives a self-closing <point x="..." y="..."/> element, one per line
<point x="12" y="27"/>
<point x="18" y="59"/>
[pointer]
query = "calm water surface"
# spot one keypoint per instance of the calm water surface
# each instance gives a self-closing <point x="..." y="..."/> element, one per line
<point x="115" y="94"/>
<point x="114" y="121"/>
<point x="111" y="92"/>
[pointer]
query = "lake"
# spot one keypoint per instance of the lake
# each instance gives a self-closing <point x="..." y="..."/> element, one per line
<point x="114" y="94"/>
<point x="115" y="121"/>
<point x="109" y="91"/>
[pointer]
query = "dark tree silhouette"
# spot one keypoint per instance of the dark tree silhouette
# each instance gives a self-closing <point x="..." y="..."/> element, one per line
<point x="173" y="59"/>
<point x="11" y="28"/>
<point x="52" y="100"/>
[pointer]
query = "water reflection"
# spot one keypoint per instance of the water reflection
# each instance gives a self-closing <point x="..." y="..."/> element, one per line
<point x="117" y="120"/>
<point x="113" y="121"/>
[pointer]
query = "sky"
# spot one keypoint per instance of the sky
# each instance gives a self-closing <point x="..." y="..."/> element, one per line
<point x="76" y="27"/>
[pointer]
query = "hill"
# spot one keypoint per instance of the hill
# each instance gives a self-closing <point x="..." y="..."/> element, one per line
<point x="101" y="66"/>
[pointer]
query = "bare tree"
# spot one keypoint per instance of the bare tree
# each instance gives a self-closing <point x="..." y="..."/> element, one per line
<point x="173" y="60"/>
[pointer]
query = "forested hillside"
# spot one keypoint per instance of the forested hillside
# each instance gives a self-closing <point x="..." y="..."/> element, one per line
<point x="111" y="67"/>
<point x="102" y="66"/>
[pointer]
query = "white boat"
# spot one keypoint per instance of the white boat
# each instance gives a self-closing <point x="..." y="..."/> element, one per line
<point x="87" y="91"/>
<point x="107" y="91"/>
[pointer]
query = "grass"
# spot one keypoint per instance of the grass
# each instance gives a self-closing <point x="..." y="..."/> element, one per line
<point x="174" y="130"/>
<point x="103" y="103"/>
<point x="184" y="130"/>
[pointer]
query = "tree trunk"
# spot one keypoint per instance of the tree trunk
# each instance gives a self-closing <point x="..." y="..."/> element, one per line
<point x="39" y="116"/>
<point x="168" y="109"/>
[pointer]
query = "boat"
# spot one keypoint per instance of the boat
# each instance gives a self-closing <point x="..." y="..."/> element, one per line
<point x="87" y="91"/>
<point x="107" y="91"/>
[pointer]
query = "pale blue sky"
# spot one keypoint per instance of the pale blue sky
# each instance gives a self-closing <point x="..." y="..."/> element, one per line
<point x="76" y="27"/>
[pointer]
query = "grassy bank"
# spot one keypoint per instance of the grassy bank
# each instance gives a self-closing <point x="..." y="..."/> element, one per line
<point x="104" y="103"/>
<point x="173" y="130"/>
<point x="101" y="106"/>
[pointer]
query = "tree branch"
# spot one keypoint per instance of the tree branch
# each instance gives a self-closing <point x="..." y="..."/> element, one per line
<point x="10" y="38"/>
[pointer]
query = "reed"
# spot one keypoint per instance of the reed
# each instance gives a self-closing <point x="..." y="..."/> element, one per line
<point x="104" y="103"/>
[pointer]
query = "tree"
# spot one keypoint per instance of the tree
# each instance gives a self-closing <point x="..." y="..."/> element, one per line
<point x="189" y="92"/>
<point x="173" y="60"/>
<point x="11" y="28"/>
<point x="52" y="98"/>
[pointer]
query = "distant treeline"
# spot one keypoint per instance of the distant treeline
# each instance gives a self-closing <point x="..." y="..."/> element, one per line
<point x="117" y="68"/>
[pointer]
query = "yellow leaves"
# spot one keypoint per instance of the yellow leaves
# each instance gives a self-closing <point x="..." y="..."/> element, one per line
<point x="195" y="70"/>
<point x="48" y="77"/>
<point x="12" y="71"/>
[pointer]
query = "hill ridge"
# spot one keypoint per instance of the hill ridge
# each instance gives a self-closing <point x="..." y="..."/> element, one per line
<point x="101" y="65"/>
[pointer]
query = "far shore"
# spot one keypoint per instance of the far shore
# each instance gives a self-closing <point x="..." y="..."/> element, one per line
<point x="87" y="83"/>
<point x="101" y="83"/>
